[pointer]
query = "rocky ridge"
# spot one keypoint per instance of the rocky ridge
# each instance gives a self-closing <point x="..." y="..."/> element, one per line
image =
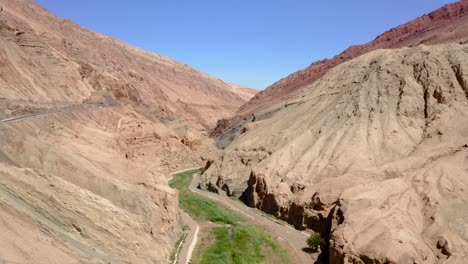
<point x="372" y="156"/>
<point x="447" y="24"/>
<point x="101" y="69"/>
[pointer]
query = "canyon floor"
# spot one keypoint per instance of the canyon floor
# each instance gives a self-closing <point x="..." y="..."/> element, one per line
<point x="292" y="240"/>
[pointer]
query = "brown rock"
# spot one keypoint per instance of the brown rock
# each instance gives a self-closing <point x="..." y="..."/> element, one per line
<point x="447" y="24"/>
<point x="82" y="174"/>
<point x="363" y="141"/>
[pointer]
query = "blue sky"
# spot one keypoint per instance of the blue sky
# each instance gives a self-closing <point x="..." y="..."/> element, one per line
<point x="251" y="43"/>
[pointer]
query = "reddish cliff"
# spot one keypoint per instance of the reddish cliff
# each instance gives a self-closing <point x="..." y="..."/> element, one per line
<point x="447" y="24"/>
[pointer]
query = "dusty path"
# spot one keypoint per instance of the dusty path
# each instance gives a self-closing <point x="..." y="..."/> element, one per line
<point x="14" y="119"/>
<point x="293" y="239"/>
<point x="69" y="109"/>
<point x="185" y="253"/>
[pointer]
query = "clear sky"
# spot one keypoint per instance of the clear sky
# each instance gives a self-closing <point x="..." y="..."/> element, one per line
<point x="252" y="43"/>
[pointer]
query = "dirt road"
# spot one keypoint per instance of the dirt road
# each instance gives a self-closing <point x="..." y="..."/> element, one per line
<point x="69" y="109"/>
<point x="185" y="253"/>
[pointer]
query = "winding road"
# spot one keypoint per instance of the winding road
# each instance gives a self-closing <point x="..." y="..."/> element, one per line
<point x="293" y="240"/>
<point x="68" y="109"/>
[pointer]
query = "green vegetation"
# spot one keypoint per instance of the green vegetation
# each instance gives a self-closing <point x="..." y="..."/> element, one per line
<point x="315" y="241"/>
<point x="197" y="206"/>
<point x="235" y="240"/>
<point x="241" y="244"/>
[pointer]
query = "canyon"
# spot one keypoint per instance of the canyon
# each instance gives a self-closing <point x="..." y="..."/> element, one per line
<point x="373" y="156"/>
<point x="369" y="149"/>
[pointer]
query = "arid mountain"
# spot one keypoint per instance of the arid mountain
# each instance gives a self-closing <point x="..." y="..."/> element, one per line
<point x="90" y="67"/>
<point x="69" y="194"/>
<point x="447" y="24"/>
<point x="245" y="93"/>
<point x="368" y="148"/>
<point x="373" y="155"/>
<point x="89" y="128"/>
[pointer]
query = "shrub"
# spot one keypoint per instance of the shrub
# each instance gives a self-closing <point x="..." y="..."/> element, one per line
<point x="315" y="241"/>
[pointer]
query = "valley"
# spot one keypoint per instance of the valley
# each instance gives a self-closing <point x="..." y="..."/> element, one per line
<point x="250" y="243"/>
<point x="110" y="154"/>
<point x="357" y="160"/>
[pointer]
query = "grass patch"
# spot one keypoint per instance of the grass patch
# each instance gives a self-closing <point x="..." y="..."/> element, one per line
<point x="242" y="244"/>
<point x="199" y="207"/>
<point x="202" y="209"/>
<point x="206" y="239"/>
<point x="234" y="240"/>
<point x="181" y="181"/>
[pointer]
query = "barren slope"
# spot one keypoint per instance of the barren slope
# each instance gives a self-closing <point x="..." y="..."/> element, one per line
<point x="82" y="171"/>
<point x="373" y="155"/>
<point x="447" y="24"/>
<point x="244" y="92"/>
<point x="49" y="59"/>
<point x="66" y="181"/>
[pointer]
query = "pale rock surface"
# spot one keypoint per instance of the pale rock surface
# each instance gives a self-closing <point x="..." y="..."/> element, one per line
<point x="83" y="174"/>
<point x="49" y="62"/>
<point x="444" y="25"/>
<point x="66" y="175"/>
<point x="374" y="156"/>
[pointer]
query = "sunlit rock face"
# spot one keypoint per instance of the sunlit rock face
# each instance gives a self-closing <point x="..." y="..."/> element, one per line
<point x="82" y="172"/>
<point x="373" y="155"/>
<point x="447" y="24"/>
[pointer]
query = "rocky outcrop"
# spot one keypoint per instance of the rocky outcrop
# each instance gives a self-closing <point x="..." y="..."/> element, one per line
<point x="104" y="84"/>
<point x="372" y="156"/>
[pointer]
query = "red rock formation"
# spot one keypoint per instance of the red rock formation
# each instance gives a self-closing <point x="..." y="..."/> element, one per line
<point x="447" y="24"/>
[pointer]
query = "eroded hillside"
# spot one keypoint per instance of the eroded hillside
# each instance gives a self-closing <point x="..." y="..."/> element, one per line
<point x="53" y="60"/>
<point x="373" y="155"/>
<point x="444" y="25"/>
<point x="90" y="126"/>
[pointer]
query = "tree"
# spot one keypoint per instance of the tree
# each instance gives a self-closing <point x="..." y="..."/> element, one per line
<point x="315" y="241"/>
